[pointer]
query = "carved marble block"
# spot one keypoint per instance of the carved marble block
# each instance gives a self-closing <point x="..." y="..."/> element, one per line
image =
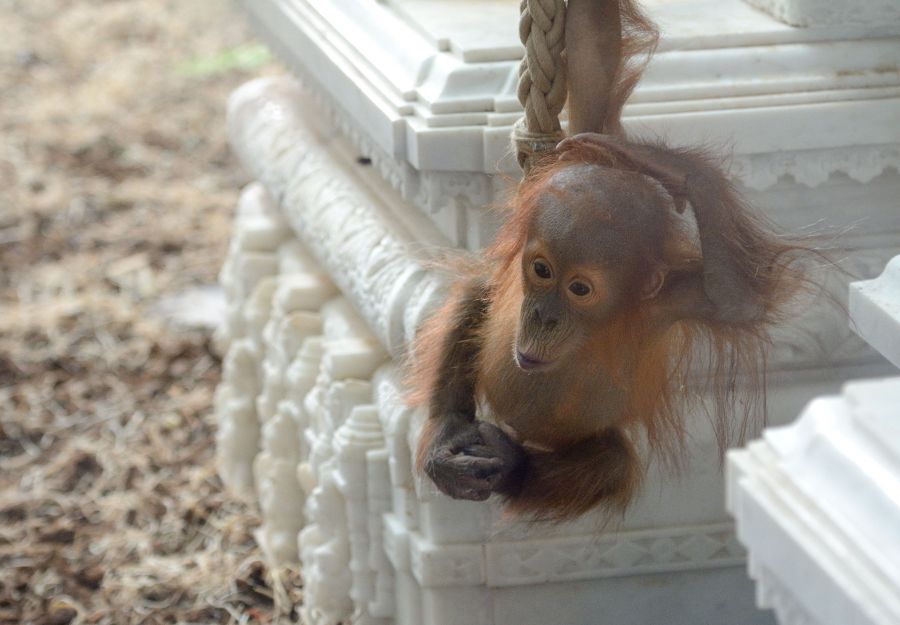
<point x="389" y="147"/>
<point x="816" y="501"/>
<point x="816" y="505"/>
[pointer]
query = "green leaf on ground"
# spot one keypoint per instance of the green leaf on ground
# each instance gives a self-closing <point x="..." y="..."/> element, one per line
<point x="244" y="57"/>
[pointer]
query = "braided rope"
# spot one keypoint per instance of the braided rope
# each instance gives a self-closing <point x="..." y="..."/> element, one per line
<point x="542" y="79"/>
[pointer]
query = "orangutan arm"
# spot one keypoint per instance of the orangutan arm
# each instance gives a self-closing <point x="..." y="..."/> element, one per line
<point x="464" y="457"/>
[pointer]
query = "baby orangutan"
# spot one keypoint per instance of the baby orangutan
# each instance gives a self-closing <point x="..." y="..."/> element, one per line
<point x="576" y="332"/>
<point x="580" y="327"/>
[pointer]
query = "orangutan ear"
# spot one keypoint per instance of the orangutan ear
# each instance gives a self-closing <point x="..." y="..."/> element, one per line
<point x="655" y="282"/>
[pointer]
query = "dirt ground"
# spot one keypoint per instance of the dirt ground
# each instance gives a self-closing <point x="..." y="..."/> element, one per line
<point x="116" y="191"/>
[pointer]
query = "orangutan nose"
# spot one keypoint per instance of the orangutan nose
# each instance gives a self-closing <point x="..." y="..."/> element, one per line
<point x="546" y="317"/>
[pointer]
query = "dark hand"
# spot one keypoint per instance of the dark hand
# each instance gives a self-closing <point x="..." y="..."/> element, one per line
<point x="474" y="459"/>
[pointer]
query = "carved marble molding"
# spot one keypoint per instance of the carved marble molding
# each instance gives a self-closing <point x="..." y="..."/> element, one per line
<point x="830" y="12"/>
<point x="541" y="561"/>
<point x="248" y="278"/>
<point x="373" y="254"/>
<point x="661" y="550"/>
<point x="812" y="168"/>
<point x="816" y="506"/>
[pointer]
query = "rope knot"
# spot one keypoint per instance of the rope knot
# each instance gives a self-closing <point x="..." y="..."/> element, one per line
<point x="542" y="78"/>
<point x="530" y="146"/>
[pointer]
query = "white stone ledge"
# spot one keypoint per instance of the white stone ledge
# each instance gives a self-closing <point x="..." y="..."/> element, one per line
<point x="817" y="505"/>
<point x="875" y="311"/>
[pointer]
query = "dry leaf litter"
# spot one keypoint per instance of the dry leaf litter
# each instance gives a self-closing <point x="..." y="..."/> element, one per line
<point x="116" y="192"/>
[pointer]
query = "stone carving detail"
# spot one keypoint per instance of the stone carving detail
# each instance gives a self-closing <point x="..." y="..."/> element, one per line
<point x="359" y="435"/>
<point x="447" y="565"/>
<point x="814" y="167"/>
<point x="396" y="173"/>
<point x="378" y="595"/>
<point x="362" y="250"/>
<point x="624" y="553"/>
<point x="291" y="336"/>
<point x="338" y="434"/>
<point x="454" y="199"/>
<point x="325" y="555"/>
<point x="237" y="441"/>
<point x="248" y="280"/>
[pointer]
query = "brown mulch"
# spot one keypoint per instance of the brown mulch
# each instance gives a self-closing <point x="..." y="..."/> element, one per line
<point x="116" y="192"/>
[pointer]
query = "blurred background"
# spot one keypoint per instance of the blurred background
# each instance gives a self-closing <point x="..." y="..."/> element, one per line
<point x="116" y="194"/>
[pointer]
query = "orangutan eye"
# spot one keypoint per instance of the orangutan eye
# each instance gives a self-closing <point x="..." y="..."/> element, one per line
<point x="542" y="270"/>
<point x="579" y="289"/>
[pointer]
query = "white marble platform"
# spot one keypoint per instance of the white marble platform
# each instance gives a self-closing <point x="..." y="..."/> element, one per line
<point x="817" y="502"/>
<point x="329" y="274"/>
<point x="818" y="506"/>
